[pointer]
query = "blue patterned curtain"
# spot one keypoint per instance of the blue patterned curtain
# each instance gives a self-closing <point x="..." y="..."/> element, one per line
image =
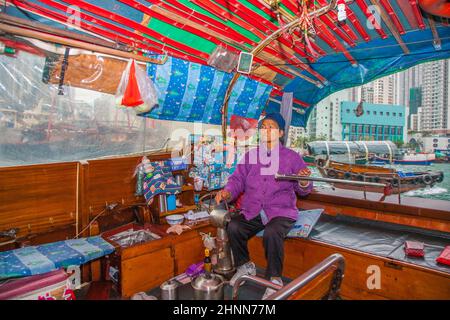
<point x="194" y="93"/>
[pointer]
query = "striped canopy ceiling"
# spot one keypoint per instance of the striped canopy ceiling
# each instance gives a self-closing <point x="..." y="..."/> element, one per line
<point x="380" y="37"/>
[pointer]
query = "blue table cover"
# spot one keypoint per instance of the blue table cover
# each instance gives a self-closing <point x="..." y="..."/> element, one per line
<point x="51" y="256"/>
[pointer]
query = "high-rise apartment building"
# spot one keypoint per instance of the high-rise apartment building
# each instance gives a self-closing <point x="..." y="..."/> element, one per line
<point x="384" y="90"/>
<point x="434" y="113"/>
<point x="325" y="119"/>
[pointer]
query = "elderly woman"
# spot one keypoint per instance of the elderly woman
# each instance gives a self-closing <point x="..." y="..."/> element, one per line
<point x="267" y="204"/>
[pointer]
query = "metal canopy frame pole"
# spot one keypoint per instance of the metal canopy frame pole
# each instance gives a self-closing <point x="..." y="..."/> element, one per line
<point x="76" y="44"/>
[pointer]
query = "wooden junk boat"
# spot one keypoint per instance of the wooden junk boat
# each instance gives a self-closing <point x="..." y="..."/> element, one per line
<point x="400" y="181"/>
<point x="80" y="226"/>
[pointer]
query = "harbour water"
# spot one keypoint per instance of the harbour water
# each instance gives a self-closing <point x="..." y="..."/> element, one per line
<point x="440" y="191"/>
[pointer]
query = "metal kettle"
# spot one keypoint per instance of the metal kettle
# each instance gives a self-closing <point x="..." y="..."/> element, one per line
<point x="208" y="286"/>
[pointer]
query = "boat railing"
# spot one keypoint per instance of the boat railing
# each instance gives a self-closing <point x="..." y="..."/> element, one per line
<point x="334" y="264"/>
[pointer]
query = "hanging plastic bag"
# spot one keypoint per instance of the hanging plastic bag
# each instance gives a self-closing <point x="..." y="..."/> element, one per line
<point x="136" y="90"/>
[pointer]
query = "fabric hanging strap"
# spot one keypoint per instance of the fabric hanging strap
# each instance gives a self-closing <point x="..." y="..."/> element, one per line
<point x="64" y="66"/>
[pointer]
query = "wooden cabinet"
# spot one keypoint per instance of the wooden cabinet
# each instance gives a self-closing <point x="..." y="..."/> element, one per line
<point x="144" y="266"/>
<point x="139" y="267"/>
<point x="146" y="271"/>
<point x="189" y="249"/>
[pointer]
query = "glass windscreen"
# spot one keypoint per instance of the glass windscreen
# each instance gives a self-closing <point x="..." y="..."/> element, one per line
<point x="43" y="122"/>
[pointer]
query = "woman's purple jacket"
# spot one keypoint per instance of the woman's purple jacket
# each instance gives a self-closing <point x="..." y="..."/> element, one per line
<point x="254" y="176"/>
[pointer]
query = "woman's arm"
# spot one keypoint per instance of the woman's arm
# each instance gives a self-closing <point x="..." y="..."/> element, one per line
<point x="302" y="188"/>
<point x="236" y="182"/>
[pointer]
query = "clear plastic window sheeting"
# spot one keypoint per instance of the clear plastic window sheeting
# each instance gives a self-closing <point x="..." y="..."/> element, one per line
<point x="38" y="125"/>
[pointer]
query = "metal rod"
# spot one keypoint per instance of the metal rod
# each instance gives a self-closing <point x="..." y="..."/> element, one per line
<point x="254" y="279"/>
<point x="364" y="8"/>
<point x="302" y="178"/>
<point x="365" y="195"/>
<point x="335" y="260"/>
<point x="101" y="12"/>
<point x="417" y="13"/>
<point x="11" y="20"/>
<point x="436" y="40"/>
<point x="386" y="19"/>
<point x="76" y="43"/>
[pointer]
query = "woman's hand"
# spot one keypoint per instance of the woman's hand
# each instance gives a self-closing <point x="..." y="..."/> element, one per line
<point x="222" y="195"/>
<point x="305" y="172"/>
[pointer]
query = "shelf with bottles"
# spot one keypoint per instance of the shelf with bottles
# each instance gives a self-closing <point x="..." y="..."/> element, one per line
<point x="178" y="203"/>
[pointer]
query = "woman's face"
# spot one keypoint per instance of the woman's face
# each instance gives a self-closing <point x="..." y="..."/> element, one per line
<point x="269" y="131"/>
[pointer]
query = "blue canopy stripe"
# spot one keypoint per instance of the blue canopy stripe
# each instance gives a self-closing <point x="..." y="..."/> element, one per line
<point x="192" y="92"/>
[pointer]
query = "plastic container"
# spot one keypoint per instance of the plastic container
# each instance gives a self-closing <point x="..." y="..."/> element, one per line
<point x="169" y="290"/>
<point x="171" y="202"/>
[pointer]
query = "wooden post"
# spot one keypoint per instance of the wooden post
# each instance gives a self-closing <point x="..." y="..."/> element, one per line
<point x="95" y="265"/>
<point x="83" y="212"/>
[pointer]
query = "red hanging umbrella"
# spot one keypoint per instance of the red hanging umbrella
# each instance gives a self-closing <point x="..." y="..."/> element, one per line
<point x="242" y="128"/>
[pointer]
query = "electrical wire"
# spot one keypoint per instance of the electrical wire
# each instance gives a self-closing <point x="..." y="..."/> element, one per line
<point x="91" y="222"/>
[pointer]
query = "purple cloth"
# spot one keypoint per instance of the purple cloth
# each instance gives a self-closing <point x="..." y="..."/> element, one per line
<point x="254" y="175"/>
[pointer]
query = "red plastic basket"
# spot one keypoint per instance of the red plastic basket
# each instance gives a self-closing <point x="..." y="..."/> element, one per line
<point x="414" y="249"/>
<point x="444" y="257"/>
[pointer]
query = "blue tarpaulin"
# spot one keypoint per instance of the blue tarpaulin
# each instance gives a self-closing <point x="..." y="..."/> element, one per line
<point x="376" y="59"/>
<point x="195" y="93"/>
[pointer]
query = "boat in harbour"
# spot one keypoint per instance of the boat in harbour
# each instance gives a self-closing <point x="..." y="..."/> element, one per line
<point x="419" y="159"/>
<point x="399" y="180"/>
<point x="311" y="160"/>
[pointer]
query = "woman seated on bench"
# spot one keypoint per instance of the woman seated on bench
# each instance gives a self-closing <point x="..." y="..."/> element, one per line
<point x="267" y="203"/>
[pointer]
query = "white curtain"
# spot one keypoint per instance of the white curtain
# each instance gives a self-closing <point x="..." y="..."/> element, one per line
<point x="286" y="112"/>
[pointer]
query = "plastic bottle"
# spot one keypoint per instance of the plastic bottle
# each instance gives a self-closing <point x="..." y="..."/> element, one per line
<point x="207" y="261"/>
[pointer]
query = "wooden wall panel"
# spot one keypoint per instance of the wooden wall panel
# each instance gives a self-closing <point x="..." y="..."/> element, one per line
<point x="38" y="198"/>
<point x="111" y="180"/>
<point x="145" y="272"/>
<point x="377" y="215"/>
<point x="188" y="252"/>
